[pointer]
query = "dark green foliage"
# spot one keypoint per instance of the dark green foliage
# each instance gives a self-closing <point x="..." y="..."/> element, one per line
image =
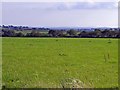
<point x="72" y="32"/>
<point x="56" y="33"/>
<point x="8" y="33"/>
<point x="20" y="34"/>
<point x="47" y="32"/>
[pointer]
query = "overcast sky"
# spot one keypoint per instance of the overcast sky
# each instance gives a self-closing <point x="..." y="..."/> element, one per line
<point x="61" y="14"/>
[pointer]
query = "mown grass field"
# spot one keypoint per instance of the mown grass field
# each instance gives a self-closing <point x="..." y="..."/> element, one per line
<point x="45" y="62"/>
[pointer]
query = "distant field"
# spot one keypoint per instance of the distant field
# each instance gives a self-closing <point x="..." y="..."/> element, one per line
<point x="29" y="31"/>
<point x="48" y="62"/>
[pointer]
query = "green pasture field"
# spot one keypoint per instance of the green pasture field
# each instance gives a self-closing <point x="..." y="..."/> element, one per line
<point x="29" y="31"/>
<point x="51" y="62"/>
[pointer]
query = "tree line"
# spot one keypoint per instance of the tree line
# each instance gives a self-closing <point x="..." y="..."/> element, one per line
<point x="96" y="33"/>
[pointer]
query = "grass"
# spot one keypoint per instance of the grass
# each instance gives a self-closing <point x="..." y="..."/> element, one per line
<point x="29" y="31"/>
<point x="45" y="62"/>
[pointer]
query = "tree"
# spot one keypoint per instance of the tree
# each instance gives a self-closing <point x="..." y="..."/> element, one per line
<point x="8" y="33"/>
<point x="104" y="33"/>
<point x="52" y="33"/>
<point x="98" y="32"/>
<point x="56" y="33"/>
<point x="72" y="32"/>
<point x="60" y="33"/>
<point x="35" y="33"/>
<point x="84" y="34"/>
<point x="20" y="34"/>
<point x="28" y="35"/>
